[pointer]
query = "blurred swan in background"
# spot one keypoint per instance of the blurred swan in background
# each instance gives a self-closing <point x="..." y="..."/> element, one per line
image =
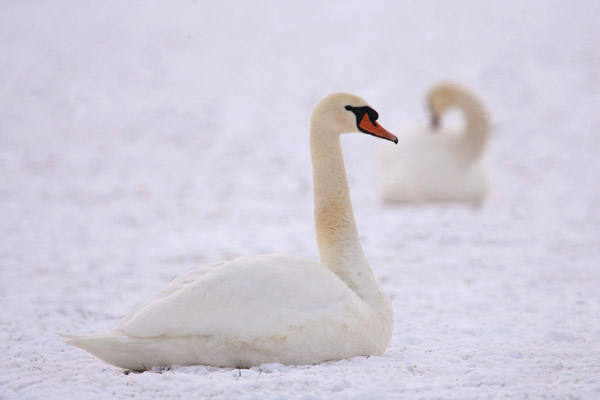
<point x="272" y="308"/>
<point x="436" y="163"/>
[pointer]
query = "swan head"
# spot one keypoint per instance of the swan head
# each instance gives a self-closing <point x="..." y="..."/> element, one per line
<point x="442" y="97"/>
<point x="346" y="113"/>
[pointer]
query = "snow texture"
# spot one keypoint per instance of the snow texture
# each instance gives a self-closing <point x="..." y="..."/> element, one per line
<point x="140" y="139"/>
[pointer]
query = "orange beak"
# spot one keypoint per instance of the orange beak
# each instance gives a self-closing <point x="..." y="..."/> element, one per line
<point x="373" y="128"/>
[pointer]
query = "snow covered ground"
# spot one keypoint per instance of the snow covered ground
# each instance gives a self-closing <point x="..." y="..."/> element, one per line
<point x="140" y="139"/>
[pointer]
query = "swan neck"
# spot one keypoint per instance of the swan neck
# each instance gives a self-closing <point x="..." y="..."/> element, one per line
<point x="337" y="235"/>
<point x="476" y="131"/>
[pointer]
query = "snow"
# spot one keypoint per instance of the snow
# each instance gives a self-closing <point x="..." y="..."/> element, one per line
<point x="140" y="139"/>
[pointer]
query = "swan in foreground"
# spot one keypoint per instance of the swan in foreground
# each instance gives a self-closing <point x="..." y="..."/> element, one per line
<point x="273" y="308"/>
<point x="436" y="164"/>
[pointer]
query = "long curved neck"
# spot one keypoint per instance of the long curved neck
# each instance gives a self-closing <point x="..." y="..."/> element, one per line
<point x="337" y="236"/>
<point x="476" y="133"/>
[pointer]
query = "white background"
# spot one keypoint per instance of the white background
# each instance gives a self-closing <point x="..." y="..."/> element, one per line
<point x="139" y="139"/>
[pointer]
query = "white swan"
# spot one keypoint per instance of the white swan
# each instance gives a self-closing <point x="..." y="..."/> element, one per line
<point x="271" y="308"/>
<point x="434" y="164"/>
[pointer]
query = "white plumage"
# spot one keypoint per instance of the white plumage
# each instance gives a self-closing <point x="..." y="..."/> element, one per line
<point x="439" y="164"/>
<point x="270" y="308"/>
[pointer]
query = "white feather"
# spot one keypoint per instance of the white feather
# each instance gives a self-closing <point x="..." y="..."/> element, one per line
<point x="268" y="308"/>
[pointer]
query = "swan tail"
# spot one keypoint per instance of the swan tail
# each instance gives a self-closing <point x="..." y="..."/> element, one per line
<point x="142" y="353"/>
<point x="117" y="348"/>
<point x="86" y="340"/>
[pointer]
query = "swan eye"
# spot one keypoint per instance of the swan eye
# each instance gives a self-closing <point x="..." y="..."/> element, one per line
<point x="360" y="112"/>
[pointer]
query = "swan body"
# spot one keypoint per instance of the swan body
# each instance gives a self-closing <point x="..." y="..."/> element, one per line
<point x="272" y="308"/>
<point x="439" y="164"/>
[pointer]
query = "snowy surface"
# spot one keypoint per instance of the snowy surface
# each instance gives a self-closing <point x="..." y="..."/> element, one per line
<point x="140" y="139"/>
